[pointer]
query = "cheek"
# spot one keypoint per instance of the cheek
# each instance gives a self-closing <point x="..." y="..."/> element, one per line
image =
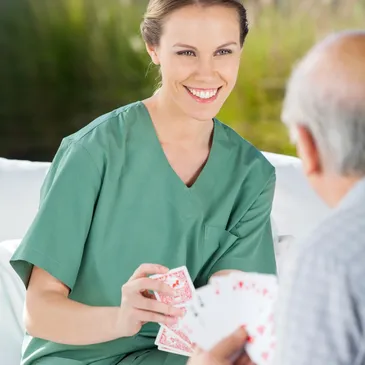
<point x="175" y="69"/>
<point x="229" y="70"/>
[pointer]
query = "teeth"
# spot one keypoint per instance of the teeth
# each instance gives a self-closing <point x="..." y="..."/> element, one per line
<point x="204" y="94"/>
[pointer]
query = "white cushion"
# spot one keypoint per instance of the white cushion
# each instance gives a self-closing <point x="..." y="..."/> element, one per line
<point x="297" y="210"/>
<point x="20" y="183"/>
<point x="12" y="295"/>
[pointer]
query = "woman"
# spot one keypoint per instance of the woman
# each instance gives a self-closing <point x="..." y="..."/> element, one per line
<point x="158" y="181"/>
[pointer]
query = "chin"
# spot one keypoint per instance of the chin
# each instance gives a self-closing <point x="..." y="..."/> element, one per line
<point x="201" y="113"/>
<point x="202" y="117"/>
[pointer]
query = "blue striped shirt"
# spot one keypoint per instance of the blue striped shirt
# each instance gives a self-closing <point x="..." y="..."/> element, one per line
<point x="321" y="309"/>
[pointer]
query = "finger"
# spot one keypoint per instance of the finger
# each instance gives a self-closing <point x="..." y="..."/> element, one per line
<point x="147" y="269"/>
<point x="205" y="358"/>
<point x="244" y="360"/>
<point x="148" y="295"/>
<point x="230" y="345"/>
<point x="142" y="284"/>
<point x="146" y="316"/>
<point x="197" y="350"/>
<point x="155" y="306"/>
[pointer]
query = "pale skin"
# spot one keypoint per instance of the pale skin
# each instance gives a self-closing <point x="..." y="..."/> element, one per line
<point x="205" y="55"/>
<point x="210" y="59"/>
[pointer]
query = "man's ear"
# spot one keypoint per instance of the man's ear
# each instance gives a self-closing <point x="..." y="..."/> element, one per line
<point x="152" y="51"/>
<point x="308" y="151"/>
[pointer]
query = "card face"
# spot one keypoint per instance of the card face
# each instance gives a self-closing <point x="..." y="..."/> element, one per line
<point x="252" y="294"/>
<point x="211" y="303"/>
<point x="193" y="325"/>
<point x="228" y="302"/>
<point x="261" y="347"/>
<point x="166" y="338"/>
<point x="216" y="310"/>
<point x="179" y="279"/>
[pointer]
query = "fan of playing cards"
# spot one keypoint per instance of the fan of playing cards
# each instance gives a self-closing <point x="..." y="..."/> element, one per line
<point x="218" y="309"/>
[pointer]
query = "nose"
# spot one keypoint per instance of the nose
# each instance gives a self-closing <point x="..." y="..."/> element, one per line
<point x="205" y="69"/>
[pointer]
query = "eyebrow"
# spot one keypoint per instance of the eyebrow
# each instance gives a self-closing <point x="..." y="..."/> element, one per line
<point x="182" y="45"/>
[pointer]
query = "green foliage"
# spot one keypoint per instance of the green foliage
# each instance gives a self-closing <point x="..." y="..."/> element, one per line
<point x="65" y="62"/>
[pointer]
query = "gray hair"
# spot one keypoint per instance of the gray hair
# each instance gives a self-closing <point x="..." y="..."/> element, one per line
<point x="331" y="107"/>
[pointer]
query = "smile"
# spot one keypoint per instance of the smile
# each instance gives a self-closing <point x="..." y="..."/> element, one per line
<point x="203" y="95"/>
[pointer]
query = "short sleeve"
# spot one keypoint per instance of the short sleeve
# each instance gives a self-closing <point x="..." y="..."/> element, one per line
<point x="253" y="251"/>
<point x="56" y="238"/>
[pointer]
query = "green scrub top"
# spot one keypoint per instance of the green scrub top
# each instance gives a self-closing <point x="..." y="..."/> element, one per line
<point x="111" y="201"/>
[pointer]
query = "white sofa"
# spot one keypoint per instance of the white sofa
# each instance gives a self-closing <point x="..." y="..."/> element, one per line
<point x="296" y="211"/>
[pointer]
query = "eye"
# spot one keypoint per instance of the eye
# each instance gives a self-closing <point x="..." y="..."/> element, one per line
<point x="223" y="52"/>
<point x="186" y="53"/>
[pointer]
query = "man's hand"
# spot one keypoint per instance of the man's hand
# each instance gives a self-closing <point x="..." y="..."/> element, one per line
<point x="225" y="272"/>
<point x="224" y="352"/>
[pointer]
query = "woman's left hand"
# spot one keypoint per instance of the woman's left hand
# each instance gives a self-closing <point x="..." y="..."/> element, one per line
<point x="223" y="352"/>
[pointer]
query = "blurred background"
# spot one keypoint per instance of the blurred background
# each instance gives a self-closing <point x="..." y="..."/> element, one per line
<point x="65" y="62"/>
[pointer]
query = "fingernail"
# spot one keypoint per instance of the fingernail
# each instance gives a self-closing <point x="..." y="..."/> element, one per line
<point x="173" y="320"/>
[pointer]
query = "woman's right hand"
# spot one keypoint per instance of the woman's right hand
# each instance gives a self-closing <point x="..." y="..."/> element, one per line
<point x="138" y="306"/>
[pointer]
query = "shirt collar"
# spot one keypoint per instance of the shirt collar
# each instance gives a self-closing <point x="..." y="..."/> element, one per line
<point x="354" y="196"/>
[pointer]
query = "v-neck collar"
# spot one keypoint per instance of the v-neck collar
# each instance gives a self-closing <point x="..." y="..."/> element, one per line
<point x="219" y="153"/>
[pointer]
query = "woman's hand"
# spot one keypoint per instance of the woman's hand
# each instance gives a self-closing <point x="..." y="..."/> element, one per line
<point x="227" y="352"/>
<point x="138" y="306"/>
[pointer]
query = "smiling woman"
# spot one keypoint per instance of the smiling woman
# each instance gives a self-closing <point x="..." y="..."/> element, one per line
<point x="199" y="58"/>
<point x="159" y="180"/>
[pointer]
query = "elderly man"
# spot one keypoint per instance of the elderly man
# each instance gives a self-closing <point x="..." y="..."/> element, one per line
<point x="321" y="317"/>
<point x="322" y="312"/>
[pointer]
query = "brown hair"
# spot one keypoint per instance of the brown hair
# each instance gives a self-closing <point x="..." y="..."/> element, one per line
<point x="158" y="10"/>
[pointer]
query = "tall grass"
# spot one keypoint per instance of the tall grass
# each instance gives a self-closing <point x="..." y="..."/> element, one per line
<point x="64" y="62"/>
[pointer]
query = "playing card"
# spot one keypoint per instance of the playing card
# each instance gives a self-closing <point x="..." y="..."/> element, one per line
<point x="226" y="303"/>
<point x="166" y="338"/>
<point x="178" y="331"/>
<point x="252" y="294"/>
<point x="200" y="322"/>
<point x="193" y="325"/>
<point x="173" y="351"/>
<point x="180" y="280"/>
<point x="262" y="343"/>
<point x="208" y="301"/>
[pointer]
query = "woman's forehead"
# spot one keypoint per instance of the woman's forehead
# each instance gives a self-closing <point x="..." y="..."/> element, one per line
<point x="195" y="24"/>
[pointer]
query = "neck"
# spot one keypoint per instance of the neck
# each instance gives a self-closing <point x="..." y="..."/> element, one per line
<point x="173" y="125"/>
<point x="334" y="188"/>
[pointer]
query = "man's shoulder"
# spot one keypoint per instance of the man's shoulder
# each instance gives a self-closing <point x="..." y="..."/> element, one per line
<point x="339" y="238"/>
